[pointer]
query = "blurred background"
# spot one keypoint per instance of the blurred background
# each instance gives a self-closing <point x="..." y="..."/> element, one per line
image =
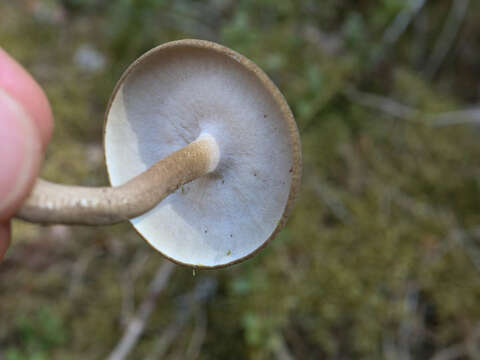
<point x="381" y="257"/>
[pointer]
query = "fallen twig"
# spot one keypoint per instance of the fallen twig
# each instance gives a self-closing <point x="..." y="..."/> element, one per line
<point x="460" y="117"/>
<point x="451" y="353"/>
<point x="137" y="324"/>
<point x="194" y="300"/>
<point x="333" y="202"/>
<point x="446" y="39"/>
<point x="79" y="270"/>
<point x="129" y="277"/>
<point x="381" y="103"/>
<point x="397" y="28"/>
<point x="393" y="108"/>
<point x="281" y="351"/>
<point x="469" y="348"/>
<point x="198" y="336"/>
<point x="465" y="238"/>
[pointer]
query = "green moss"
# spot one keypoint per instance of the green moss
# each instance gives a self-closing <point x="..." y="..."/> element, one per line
<point x="376" y="221"/>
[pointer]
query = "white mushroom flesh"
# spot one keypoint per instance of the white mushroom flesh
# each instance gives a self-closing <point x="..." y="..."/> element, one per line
<point x="168" y="101"/>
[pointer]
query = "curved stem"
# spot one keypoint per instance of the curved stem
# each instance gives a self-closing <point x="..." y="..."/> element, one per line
<point x="62" y="204"/>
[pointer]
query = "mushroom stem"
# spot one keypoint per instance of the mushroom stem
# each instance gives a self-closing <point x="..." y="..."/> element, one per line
<point x="63" y="204"/>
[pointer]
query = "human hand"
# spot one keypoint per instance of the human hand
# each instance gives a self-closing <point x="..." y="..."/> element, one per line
<point x="25" y="127"/>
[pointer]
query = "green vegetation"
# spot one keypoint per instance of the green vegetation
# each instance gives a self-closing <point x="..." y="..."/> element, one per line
<point x="381" y="257"/>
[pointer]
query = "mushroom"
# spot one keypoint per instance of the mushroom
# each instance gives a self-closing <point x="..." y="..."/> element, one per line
<point x="202" y="152"/>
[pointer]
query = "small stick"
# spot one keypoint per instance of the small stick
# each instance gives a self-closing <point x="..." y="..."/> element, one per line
<point x="137" y="325"/>
<point x="397" y="28"/>
<point x="447" y="37"/>
<point x="381" y="103"/>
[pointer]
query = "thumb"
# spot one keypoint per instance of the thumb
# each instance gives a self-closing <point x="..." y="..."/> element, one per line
<point x="20" y="155"/>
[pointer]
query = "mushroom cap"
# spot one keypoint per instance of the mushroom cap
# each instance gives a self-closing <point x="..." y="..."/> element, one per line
<point x="169" y="97"/>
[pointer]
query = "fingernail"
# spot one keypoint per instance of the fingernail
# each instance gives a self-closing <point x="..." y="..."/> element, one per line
<point x="19" y="153"/>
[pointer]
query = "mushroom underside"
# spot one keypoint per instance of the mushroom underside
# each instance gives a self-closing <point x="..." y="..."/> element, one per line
<point x="167" y="100"/>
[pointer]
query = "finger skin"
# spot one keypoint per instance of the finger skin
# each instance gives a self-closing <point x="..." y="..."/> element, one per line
<point x="26" y="125"/>
<point x="16" y="81"/>
<point x="20" y="154"/>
